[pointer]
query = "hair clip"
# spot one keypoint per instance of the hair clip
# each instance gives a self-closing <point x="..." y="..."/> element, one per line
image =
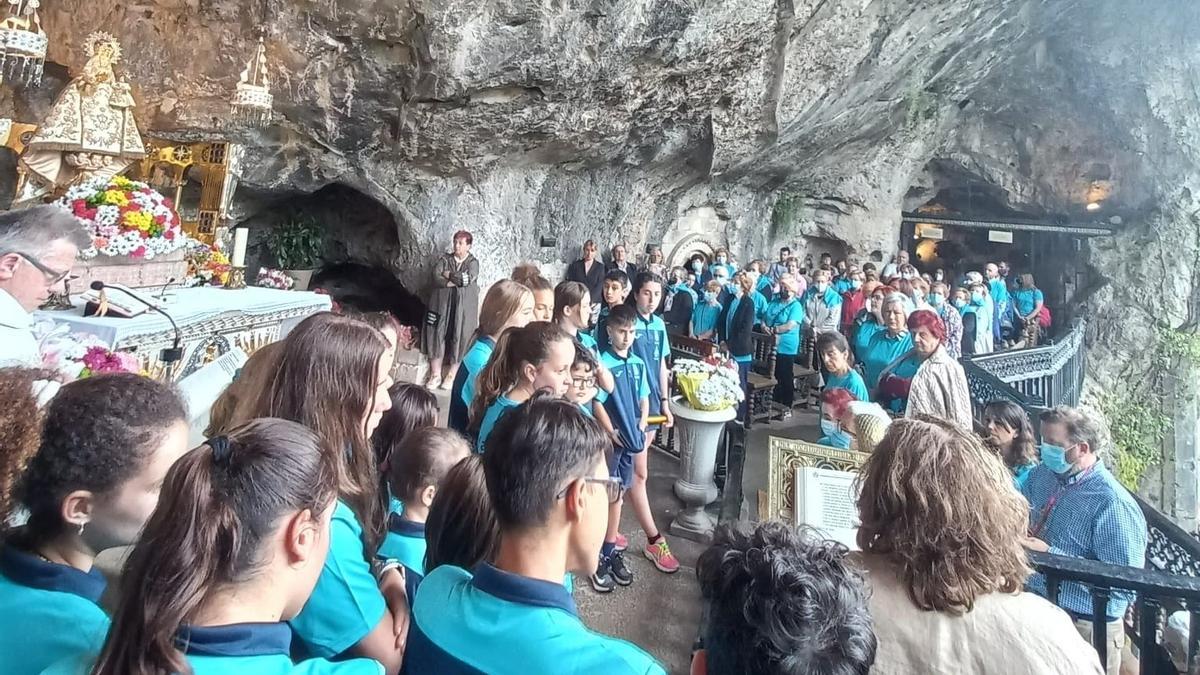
<point x="221" y="449"/>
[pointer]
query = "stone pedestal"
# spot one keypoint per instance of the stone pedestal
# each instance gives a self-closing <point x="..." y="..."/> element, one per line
<point x="698" y="434"/>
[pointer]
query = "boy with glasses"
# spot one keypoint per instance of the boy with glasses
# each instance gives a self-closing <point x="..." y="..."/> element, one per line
<point x="551" y="491"/>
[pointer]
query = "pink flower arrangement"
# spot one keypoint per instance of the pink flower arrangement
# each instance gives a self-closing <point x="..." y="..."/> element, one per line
<point x="101" y="360"/>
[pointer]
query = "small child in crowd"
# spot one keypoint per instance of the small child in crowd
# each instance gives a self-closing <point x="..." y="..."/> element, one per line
<point x="415" y="473"/>
<point x="582" y="391"/>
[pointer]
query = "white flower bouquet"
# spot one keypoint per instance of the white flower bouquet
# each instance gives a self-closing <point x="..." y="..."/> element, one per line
<point x="709" y="385"/>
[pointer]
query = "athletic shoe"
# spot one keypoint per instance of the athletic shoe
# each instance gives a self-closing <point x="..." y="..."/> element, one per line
<point x="622" y="543"/>
<point x="602" y="579"/>
<point x="620" y="569"/>
<point x="660" y="555"/>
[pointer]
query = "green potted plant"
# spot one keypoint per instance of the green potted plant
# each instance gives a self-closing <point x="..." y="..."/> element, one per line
<point x="297" y="245"/>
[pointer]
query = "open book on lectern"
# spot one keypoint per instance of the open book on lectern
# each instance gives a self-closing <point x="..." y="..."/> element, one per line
<point x="814" y="485"/>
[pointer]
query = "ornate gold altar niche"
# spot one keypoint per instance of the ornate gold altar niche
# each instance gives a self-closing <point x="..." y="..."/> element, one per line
<point x="214" y="164"/>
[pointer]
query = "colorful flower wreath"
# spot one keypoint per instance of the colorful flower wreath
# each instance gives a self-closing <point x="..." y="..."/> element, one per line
<point x="125" y="217"/>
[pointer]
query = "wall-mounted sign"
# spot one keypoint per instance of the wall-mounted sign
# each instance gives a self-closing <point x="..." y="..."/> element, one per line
<point x="1000" y="236"/>
<point x="933" y="233"/>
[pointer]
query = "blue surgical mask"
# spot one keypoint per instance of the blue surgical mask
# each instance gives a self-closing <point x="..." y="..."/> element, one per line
<point x="855" y="284"/>
<point x="710" y="297"/>
<point x="833" y="431"/>
<point x="696" y="265"/>
<point x="732" y="288"/>
<point x="936" y="299"/>
<point x="977" y="298"/>
<point x="720" y="260"/>
<point x="1055" y="458"/>
<point x="960" y="303"/>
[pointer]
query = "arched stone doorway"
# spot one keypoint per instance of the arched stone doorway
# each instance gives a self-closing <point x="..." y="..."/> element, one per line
<point x="690" y="245"/>
<point x="699" y="230"/>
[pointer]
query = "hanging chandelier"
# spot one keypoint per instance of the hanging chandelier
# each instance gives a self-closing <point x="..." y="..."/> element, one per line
<point x="22" y="44"/>
<point x="252" y="100"/>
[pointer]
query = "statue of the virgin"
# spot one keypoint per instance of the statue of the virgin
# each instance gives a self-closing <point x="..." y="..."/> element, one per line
<point x="90" y="131"/>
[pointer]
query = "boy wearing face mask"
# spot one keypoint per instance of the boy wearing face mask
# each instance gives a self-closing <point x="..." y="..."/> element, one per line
<point x="706" y="312"/>
<point x="1077" y="508"/>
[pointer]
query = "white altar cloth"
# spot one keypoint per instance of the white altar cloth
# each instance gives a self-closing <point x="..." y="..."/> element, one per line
<point x="212" y="321"/>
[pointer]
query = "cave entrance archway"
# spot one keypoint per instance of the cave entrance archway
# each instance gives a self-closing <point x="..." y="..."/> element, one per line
<point x="690" y="245"/>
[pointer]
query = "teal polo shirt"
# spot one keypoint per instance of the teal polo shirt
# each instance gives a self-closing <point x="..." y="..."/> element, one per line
<point x="875" y="349"/>
<point x="500" y="623"/>
<point x="760" y="307"/>
<point x="851" y="382"/>
<point x="346" y="604"/>
<point x="588" y="343"/>
<point x="704" y="318"/>
<point x="494" y="412"/>
<point x="474" y="361"/>
<point x="651" y="344"/>
<point x="1026" y="299"/>
<point x="405" y="541"/>
<point x="251" y="648"/>
<point x="780" y="312"/>
<point x="48" y="612"/>
<point x="631" y="386"/>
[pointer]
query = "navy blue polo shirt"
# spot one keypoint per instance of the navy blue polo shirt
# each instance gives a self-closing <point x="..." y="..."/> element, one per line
<point x="405" y="541"/>
<point x="258" y="648"/>
<point x="48" y="612"/>
<point x="631" y="385"/>
<point x="651" y="344"/>
<point x="501" y="623"/>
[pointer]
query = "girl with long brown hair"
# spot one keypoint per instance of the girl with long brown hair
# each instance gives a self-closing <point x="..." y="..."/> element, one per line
<point x="528" y="359"/>
<point x="573" y="313"/>
<point x="531" y="277"/>
<point x="233" y="550"/>
<point x="941" y="534"/>
<point x="507" y="304"/>
<point x="105" y="445"/>
<point x="333" y="378"/>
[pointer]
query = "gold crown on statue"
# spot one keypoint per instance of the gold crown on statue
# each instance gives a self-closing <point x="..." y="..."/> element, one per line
<point x="95" y="40"/>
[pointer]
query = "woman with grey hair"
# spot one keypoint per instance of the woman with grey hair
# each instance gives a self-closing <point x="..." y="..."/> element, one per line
<point x="882" y="339"/>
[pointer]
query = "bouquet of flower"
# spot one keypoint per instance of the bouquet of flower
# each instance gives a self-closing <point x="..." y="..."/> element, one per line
<point x="207" y="265"/>
<point x="273" y="278"/>
<point x="78" y="355"/>
<point x="709" y="385"/>
<point x="125" y="217"/>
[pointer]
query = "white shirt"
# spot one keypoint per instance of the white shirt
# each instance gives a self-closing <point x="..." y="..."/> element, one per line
<point x="18" y="347"/>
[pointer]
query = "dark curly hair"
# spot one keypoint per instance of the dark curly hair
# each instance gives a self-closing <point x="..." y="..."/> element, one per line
<point x="98" y="433"/>
<point x="21" y="421"/>
<point x="783" y="601"/>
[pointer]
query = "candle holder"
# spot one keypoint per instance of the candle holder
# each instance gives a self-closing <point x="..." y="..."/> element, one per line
<point x="237" y="279"/>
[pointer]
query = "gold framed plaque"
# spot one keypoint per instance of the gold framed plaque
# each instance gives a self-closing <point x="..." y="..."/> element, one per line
<point x="786" y="455"/>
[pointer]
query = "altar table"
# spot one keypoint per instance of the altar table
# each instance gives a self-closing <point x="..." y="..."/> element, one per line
<point x="212" y="321"/>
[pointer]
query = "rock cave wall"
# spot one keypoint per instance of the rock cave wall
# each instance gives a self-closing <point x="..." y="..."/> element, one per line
<point x="693" y="123"/>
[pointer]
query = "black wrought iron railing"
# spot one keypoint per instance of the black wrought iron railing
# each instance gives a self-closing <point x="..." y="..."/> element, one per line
<point x="1158" y="594"/>
<point x="1051" y="374"/>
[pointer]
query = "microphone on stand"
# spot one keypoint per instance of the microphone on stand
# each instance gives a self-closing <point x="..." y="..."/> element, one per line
<point x="168" y="356"/>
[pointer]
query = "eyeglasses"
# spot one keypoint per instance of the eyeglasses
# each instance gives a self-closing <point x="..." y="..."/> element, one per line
<point x="583" y="382"/>
<point x="53" y="277"/>
<point x="611" y="485"/>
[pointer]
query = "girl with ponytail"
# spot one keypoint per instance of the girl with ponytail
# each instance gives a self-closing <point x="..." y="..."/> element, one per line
<point x="233" y="549"/>
<point x="507" y="304"/>
<point x="527" y="360"/>
<point x="106" y="442"/>
<point x="333" y="378"/>
<point x="573" y="313"/>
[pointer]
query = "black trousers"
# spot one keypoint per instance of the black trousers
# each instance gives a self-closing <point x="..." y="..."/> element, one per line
<point x="785" y="379"/>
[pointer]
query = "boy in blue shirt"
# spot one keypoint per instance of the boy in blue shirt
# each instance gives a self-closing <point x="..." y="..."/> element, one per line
<point x="550" y="491"/>
<point x="652" y="346"/>
<point x="616" y="289"/>
<point x="415" y="470"/>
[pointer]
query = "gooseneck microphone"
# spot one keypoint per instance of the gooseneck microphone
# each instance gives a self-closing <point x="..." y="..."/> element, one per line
<point x="168" y="356"/>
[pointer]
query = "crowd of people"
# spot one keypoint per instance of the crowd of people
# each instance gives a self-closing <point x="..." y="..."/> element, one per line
<point x="328" y="524"/>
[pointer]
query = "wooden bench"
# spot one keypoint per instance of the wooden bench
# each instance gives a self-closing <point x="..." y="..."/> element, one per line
<point x="761" y="380"/>
<point x="686" y="347"/>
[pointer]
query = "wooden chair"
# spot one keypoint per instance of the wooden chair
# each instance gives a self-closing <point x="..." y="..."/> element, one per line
<point x="805" y="373"/>
<point x="686" y="347"/>
<point x="761" y="380"/>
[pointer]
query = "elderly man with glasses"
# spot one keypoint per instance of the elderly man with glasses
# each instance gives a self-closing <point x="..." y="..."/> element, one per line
<point x="38" y="246"/>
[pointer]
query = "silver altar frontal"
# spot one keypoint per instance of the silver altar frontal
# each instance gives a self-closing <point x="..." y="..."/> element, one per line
<point x="212" y="322"/>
